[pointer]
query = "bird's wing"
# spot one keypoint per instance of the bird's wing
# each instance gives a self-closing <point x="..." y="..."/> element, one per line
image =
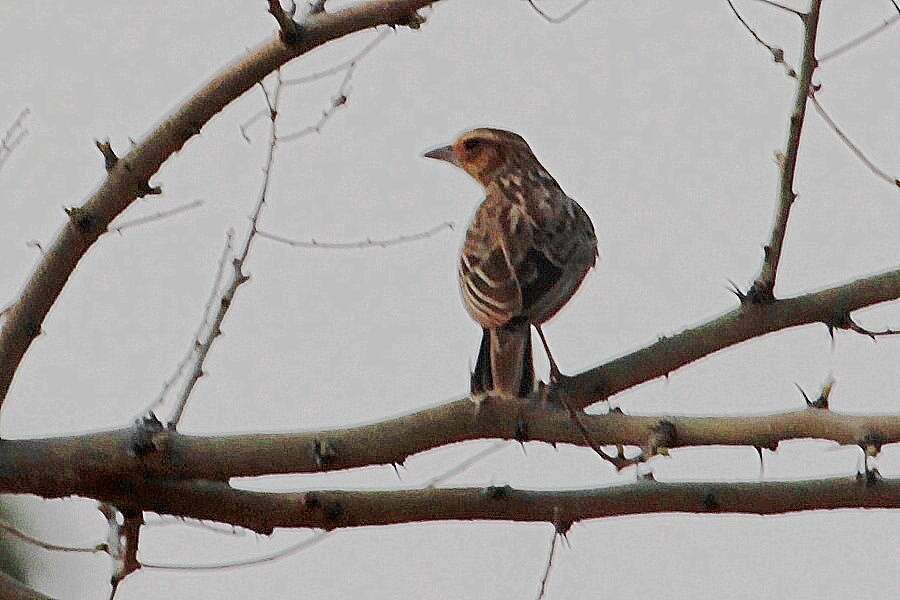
<point x="562" y="249"/>
<point x="488" y="262"/>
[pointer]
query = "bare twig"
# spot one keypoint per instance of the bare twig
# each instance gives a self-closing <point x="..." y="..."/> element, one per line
<point x="337" y="101"/>
<point x="619" y="461"/>
<point x="201" y="330"/>
<point x="341" y="67"/>
<point x="780" y="6"/>
<point x="11" y="530"/>
<point x="238" y="276"/>
<point x="776" y="52"/>
<point x="762" y="290"/>
<point x="561" y="18"/>
<point x="846" y="321"/>
<point x="859" y="40"/>
<point x="248" y="562"/>
<point x="548" y="565"/>
<point x="466" y="464"/>
<point x="895" y="181"/>
<point x="157" y="216"/>
<point x="367" y="243"/>
<point x="13" y="136"/>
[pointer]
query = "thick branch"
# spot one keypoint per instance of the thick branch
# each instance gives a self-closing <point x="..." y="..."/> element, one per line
<point x="129" y="177"/>
<point x="53" y="466"/>
<point x="762" y="290"/>
<point x="263" y="511"/>
<point x="57" y="466"/>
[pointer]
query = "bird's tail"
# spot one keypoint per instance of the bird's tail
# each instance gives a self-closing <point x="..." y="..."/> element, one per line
<point x="504" y="362"/>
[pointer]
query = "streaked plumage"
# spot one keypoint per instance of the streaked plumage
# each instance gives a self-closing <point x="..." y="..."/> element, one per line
<point x="526" y="252"/>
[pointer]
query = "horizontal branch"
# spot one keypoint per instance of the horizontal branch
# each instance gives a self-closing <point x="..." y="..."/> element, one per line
<point x="80" y="464"/>
<point x="129" y="177"/>
<point x="264" y="511"/>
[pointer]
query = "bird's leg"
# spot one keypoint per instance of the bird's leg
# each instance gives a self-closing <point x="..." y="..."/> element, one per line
<point x="555" y="375"/>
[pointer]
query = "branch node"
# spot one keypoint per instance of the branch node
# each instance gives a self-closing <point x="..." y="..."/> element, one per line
<point x="145" y="189"/>
<point x="497" y="492"/>
<point x="323" y="452"/>
<point x="289" y="28"/>
<point x="142" y="437"/>
<point x="82" y="219"/>
<point x="109" y="156"/>
<point x="333" y="510"/>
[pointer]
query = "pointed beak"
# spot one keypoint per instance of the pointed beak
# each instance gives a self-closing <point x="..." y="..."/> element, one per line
<point x="444" y="153"/>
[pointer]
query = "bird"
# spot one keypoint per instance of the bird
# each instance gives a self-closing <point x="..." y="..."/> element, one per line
<point x="527" y="250"/>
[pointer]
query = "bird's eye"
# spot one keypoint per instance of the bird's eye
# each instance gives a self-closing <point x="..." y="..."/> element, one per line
<point x="471" y="145"/>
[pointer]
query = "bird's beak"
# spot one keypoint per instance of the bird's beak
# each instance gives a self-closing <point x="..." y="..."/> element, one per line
<point x="444" y="153"/>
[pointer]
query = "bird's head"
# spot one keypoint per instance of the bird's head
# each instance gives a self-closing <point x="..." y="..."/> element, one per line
<point x="484" y="153"/>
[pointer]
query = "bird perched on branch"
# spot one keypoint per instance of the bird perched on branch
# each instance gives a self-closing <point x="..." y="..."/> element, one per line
<point x="526" y="252"/>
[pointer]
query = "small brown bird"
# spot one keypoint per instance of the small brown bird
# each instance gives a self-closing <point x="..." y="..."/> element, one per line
<point x="526" y="252"/>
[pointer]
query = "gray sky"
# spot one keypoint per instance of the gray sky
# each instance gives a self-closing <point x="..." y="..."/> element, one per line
<point x="661" y="118"/>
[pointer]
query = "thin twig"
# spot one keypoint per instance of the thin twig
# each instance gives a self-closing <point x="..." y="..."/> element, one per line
<point x="338" y="68"/>
<point x="762" y="290"/>
<point x="201" y="329"/>
<point x="248" y="562"/>
<point x="849" y="143"/>
<point x="158" y="216"/>
<point x="337" y="101"/>
<point x="367" y="243"/>
<point x="776" y="52"/>
<point x="549" y="565"/>
<point x="857" y="41"/>
<point x="782" y="7"/>
<point x="13" y="136"/>
<point x="466" y="464"/>
<point x="341" y="67"/>
<point x="561" y="18"/>
<point x="165" y="520"/>
<point x="10" y="529"/>
<point x="619" y="462"/>
<point x="238" y="277"/>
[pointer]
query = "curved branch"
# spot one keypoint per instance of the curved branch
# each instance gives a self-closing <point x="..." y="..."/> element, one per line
<point x="129" y="177"/>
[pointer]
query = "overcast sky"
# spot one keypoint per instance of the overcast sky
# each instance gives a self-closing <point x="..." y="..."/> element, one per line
<point x="660" y="118"/>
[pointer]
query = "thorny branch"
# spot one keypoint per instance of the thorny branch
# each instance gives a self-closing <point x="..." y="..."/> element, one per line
<point x="128" y="180"/>
<point x="762" y="290"/>
<point x="367" y="243"/>
<point x="238" y="277"/>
